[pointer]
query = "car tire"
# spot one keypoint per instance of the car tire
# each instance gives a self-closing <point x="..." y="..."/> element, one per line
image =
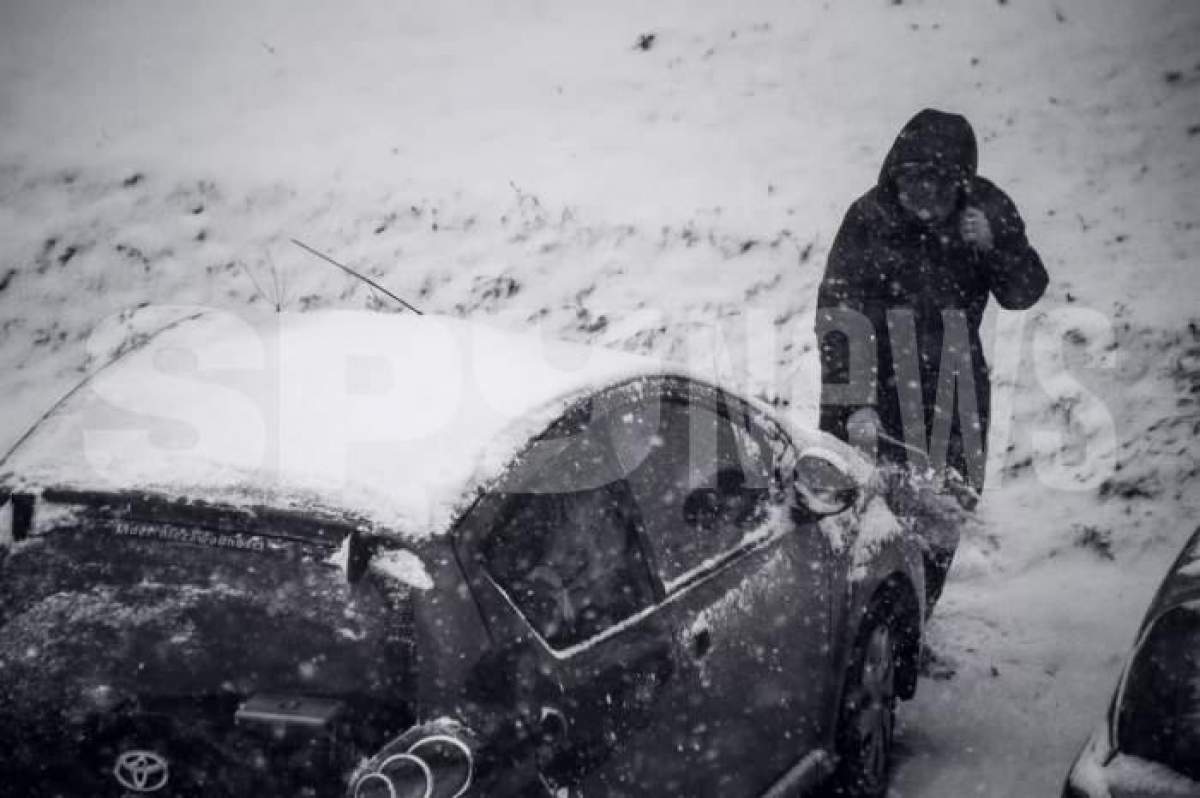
<point x="867" y="720"/>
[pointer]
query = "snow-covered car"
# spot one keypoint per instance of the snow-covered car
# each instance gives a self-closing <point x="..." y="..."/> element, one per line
<point x="1149" y="743"/>
<point x="385" y="556"/>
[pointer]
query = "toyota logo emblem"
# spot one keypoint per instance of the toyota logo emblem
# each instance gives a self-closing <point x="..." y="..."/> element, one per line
<point x="141" y="771"/>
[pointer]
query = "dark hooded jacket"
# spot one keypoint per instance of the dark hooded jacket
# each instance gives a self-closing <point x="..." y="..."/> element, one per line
<point x="923" y="290"/>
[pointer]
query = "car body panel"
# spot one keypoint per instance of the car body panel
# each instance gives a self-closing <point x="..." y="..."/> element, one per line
<point x="795" y="608"/>
<point x="681" y="716"/>
<point x="116" y="642"/>
<point x="1102" y="770"/>
<point x="766" y="613"/>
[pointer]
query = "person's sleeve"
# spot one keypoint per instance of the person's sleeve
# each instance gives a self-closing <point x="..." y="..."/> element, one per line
<point x="844" y="267"/>
<point x="1016" y="276"/>
<point x="840" y="288"/>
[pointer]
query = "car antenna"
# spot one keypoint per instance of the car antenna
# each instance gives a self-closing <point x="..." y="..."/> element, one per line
<point x="353" y="273"/>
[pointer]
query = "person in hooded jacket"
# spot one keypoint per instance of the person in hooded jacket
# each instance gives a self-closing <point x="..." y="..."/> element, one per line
<point x="903" y="372"/>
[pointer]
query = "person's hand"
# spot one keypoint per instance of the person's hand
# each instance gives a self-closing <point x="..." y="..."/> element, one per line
<point x="975" y="229"/>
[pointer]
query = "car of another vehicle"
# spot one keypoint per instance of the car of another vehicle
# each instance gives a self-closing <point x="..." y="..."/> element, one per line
<point x="1148" y="745"/>
<point x="388" y="556"/>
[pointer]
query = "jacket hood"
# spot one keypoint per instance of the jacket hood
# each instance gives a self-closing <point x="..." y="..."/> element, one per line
<point x="934" y="137"/>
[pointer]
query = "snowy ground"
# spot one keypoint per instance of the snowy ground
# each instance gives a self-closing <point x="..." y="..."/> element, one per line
<point x="529" y="162"/>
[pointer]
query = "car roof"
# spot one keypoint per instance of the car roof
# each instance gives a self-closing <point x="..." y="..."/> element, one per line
<point x="390" y="418"/>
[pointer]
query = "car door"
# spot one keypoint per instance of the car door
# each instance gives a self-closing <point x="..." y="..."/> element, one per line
<point x="746" y="592"/>
<point x="564" y="582"/>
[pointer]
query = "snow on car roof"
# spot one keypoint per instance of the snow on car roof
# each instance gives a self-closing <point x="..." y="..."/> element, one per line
<point x="390" y="418"/>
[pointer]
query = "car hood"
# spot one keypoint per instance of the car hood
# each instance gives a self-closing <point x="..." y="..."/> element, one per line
<point x="110" y="643"/>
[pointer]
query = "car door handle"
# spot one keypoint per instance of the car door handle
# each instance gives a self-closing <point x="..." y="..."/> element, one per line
<point x="700" y="643"/>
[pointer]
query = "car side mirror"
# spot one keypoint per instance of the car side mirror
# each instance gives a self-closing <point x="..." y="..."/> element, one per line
<point x="822" y="486"/>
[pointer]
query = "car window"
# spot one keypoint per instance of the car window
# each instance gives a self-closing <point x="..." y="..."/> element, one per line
<point x="1159" y="716"/>
<point x="570" y="559"/>
<point x="702" y="486"/>
<point x="755" y="451"/>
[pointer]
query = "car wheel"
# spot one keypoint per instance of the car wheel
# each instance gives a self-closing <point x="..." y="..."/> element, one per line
<point x="868" y="714"/>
